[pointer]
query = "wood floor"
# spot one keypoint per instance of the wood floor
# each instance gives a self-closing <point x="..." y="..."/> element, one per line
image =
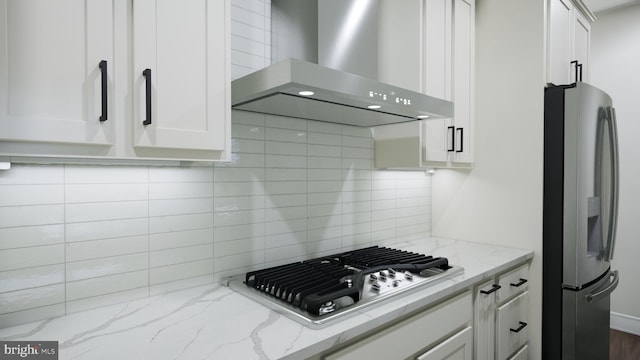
<point x="624" y="346"/>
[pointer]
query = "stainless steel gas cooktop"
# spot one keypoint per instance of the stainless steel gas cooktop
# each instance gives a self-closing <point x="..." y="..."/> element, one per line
<point x="316" y="291"/>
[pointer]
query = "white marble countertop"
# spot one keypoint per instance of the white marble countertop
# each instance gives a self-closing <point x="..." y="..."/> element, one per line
<point x="214" y="322"/>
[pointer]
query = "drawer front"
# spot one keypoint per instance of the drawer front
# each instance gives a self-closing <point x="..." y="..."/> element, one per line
<point x="410" y="336"/>
<point x="523" y="354"/>
<point x="512" y="326"/>
<point x="512" y="283"/>
<point x="457" y="347"/>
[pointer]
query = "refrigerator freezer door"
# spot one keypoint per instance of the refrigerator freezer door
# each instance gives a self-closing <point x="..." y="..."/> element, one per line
<point x="585" y="321"/>
<point x="587" y="191"/>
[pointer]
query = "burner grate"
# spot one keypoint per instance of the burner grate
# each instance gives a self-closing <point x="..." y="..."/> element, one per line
<point x="311" y="284"/>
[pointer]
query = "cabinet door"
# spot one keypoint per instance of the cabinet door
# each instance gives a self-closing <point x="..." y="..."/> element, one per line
<point x="184" y="44"/>
<point x="463" y="75"/>
<point x="581" y="41"/>
<point x="437" y="70"/>
<point x="484" y="321"/>
<point x="559" y="42"/>
<point x="50" y="76"/>
<point x="457" y="347"/>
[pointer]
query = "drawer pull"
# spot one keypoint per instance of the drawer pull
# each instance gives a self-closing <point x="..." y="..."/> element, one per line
<point x="494" y="288"/>
<point x="520" y="283"/>
<point x="522" y="326"/>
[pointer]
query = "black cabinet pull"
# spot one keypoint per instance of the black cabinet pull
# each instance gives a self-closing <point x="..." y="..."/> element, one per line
<point x="520" y="283"/>
<point x="494" y="288"/>
<point x="522" y="326"/>
<point x="461" y="139"/>
<point x="453" y="138"/>
<point x="104" y="77"/>
<point x="147" y="75"/>
<point x="578" y="70"/>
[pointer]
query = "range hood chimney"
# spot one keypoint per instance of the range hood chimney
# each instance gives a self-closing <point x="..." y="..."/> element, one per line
<point x="325" y="55"/>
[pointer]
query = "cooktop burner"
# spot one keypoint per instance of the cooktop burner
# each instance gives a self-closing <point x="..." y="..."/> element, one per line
<point x="318" y="290"/>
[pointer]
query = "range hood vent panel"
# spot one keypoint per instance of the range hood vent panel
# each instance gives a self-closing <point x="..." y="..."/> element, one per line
<point x="339" y="97"/>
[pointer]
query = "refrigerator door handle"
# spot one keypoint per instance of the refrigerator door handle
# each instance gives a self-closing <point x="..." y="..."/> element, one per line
<point x="607" y="290"/>
<point x="615" y="182"/>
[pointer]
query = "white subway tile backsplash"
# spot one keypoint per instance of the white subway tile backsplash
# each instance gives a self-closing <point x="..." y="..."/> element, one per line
<point x="228" y="233"/>
<point x="86" y="250"/>
<point x="31" y="277"/>
<point x="181" y="255"/>
<point x="106" y="211"/>
<point x="17" y="237"/>
<point x="180" y="206"/>
<point x="14" y="216"/>
<point x="31" y="298"/>
<point x="15" y="195"/>
<point x="235" y="203"/>
<point x="22" y="258"/>
<point x="32" y="174"/>
<point x="32" y="314"/>
<point x="228" y="218"/>
<point x="175" y="272"/>
<point x="86" y="269"/>
<point x="176" y="239"/>
<point x="180" y="190"/>
<point x="162" y="224"/>
<point x="88" y="193"/>
<point x="105" y="174"/>
<point x="73" y="237"/>
<point x="181" y="174"/>
<point x="106" y="229"/>
<point x="107" y="284"/>
<point x="226" y="248"/>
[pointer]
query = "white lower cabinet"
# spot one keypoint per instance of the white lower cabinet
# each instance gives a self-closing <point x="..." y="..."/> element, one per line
<point x="501" y="316"/>
<point x="440" y="332"/>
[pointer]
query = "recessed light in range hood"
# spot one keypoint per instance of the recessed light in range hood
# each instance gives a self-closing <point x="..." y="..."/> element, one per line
<point x="338" y="96"/>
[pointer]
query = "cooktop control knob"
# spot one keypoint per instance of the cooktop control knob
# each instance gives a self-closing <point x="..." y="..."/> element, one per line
<point x="375" y="286"/>
<point x="408" y="276"/>
<point x="383" y="276"/>
<point x="396" y="283"/>
<point x="373" y="278"/>
<point x="392" y="273"/>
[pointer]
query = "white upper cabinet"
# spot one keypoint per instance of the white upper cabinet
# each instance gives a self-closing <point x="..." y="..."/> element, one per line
<point x="445" y="70"/>
<point x="568" y="41"/>
<point x="52" y="83"/>
<point x="77" y="82"/>
<point x="180" y="74"/>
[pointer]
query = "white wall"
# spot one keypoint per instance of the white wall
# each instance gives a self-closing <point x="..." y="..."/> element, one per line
<point x="500" y="200"/>
<point x="615" y="68"/>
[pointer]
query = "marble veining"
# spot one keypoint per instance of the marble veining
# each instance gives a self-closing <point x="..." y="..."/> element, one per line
<point x="214" y="322"/>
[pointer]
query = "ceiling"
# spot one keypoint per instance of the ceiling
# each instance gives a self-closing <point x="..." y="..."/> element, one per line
<point x="601" y="5"/>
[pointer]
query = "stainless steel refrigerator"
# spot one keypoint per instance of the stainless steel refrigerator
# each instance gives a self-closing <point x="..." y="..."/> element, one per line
<point x="579" y="221"/>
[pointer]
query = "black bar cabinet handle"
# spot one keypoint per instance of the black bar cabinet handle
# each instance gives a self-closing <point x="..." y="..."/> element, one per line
<point x="575" y="67"/>
<point x="104" y="77"/>
<point x="453" y="138"/>
<point x="520" y="283"/>
<point x="147" y="75"/>
<point x="522" y="326"/>
<point x="494" y="288"/>
<point x="461" y="139"/>
<point x="580" y="72"/>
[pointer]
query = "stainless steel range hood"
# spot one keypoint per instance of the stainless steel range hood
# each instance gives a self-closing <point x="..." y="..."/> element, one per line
<point x="341" y="36"/>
